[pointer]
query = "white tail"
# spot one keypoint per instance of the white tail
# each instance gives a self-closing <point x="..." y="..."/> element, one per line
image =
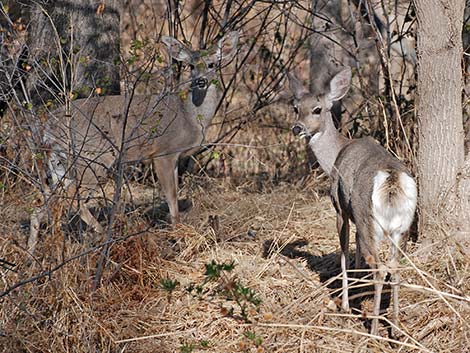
<point x="84" y="144"/>
<point x="368" y="186"/>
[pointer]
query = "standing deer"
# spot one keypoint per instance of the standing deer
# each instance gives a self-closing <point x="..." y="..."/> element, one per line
<point x="368" y="186"/>
<point x="85" y="142"/>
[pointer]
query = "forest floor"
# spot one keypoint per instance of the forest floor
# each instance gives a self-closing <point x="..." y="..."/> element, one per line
<point x="253" y="268"/>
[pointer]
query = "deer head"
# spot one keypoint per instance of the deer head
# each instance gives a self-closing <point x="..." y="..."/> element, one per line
<point x="203" y="63"/>
<point x="314" y="112"/>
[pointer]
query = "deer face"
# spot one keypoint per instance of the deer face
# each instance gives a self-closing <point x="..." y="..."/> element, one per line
<point x="203" y="63"/>
<point x="203" y="74"/>
<point x="313" y="113"/>
<point x="308" y="111"/>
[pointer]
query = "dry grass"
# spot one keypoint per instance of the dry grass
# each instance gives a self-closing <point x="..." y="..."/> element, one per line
<point x="266" y="235"/>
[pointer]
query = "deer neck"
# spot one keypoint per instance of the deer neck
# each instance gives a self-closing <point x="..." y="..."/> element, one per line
<point x="327" y="143"/>
<point x="204" y="113"/>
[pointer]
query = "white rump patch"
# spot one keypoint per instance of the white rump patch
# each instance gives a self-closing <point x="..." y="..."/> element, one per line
<point x="393" y="219"/>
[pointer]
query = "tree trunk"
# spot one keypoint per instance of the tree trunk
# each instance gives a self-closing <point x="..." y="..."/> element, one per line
<point x="88" y="34"/>
<point x="443" y="172"/>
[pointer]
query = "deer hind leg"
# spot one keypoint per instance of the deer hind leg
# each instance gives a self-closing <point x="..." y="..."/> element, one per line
<point x="89" y="219"/>
<point x="342" y="223"/>
<point x="395" y="274"/>
<point x="380" y="271"/>
<point x="379" y="276"/>
<point x="167" y="173"/>
<point x="357" y="260"/>
<point x="79" y="204"/>
<point x="371" y="256"/>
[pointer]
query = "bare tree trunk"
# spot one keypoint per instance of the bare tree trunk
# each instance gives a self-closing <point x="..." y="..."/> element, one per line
<point x="466" y="48"/>
<point x="443" y="172"/>
<point x="88" y="34"/>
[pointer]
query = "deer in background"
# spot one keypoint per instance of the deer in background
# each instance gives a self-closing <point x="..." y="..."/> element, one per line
<point x="369" y="186"/>
<point x="84" y="142"/>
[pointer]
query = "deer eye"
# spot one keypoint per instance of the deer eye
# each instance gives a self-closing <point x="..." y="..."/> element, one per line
<point x="316" y="110"/>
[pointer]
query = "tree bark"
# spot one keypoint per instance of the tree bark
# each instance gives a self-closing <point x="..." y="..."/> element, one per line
<point x="443" y="171"/>
<point x="88" y="33"/>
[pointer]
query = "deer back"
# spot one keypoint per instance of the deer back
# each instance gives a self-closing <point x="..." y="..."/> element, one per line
<point x="374" y="189"/>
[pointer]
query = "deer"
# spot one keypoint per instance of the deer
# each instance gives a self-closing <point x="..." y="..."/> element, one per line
<point x="368" y="186"/>
<point x="154" y="128"/>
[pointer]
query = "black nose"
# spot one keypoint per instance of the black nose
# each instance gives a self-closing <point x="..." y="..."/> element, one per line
<point x="200" y="82"/>
<point x="296" y="129"/>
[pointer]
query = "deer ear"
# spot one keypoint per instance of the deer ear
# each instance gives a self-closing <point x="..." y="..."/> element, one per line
<point x="227" y="46"/>
<point x="177" y="50"/>
<point x="339" y="85"/>
<point x="296" y="86"/>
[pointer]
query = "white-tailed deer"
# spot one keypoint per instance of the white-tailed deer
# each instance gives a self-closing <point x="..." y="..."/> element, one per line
<point x="85" y="141"/>
<point x="368" y="186"/>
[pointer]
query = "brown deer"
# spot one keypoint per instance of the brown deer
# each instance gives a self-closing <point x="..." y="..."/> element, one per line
<point x="85" y="140"/>
<point x="369" y="186"/>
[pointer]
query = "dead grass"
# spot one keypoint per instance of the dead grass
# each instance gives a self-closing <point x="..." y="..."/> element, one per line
<point x="284" y="244"/>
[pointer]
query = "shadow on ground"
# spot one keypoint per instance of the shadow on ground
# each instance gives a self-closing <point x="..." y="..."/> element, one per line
<point x="156" y="215"/>
<point x="329" y="269"/>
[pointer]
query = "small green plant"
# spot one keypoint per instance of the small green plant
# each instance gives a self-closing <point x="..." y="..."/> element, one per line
<point x="214" y="270"/>
<point x="168" y="284"/>
<point x="218" y="283"/>
<point x="190" y="347"/>
<point x="257" y="340"/>
<point x="187" y="348"/>
<point x="38" y="156"/>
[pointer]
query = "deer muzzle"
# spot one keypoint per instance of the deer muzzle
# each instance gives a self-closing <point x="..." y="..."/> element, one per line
<point x="199" y="90"/>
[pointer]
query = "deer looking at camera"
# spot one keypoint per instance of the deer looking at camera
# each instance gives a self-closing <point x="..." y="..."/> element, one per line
<point x="84" y="143"/>
<point x="368" y="186"/>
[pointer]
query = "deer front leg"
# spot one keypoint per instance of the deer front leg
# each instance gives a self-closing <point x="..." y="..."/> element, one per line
<point x="342" y="224"/>
<point x="167" y="173"/>
<point x="35" y="222"/>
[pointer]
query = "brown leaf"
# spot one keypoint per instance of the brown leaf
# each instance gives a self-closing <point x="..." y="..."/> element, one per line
<point x="100" y="9"/>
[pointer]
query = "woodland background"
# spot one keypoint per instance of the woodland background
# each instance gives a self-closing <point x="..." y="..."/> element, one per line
<point x="254" y="266"/>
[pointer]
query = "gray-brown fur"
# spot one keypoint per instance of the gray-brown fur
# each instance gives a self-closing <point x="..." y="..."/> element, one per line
<point x="87" y="138"/>
<point x="368" y="186"/>
<point x="355" y="168"/>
